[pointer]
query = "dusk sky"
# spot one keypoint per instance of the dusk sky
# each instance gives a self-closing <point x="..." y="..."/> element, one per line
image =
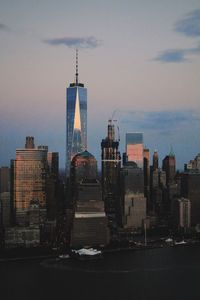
<point x="139" y="58"/>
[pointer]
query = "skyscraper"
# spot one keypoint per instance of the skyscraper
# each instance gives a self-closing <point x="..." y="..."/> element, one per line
<point x="134" y="148"/>
<point x="169" y="166"/>
<point x="28" y="172"/>
<point x="111" y="163"/>
<point x="76" y="119"/>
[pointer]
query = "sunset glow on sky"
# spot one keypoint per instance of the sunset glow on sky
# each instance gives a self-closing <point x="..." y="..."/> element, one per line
<point x="138" y="58"/>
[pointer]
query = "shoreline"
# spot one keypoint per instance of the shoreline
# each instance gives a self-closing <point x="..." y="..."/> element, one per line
<point x="55" y="254"/>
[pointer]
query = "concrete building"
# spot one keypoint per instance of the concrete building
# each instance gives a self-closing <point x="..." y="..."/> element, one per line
<point x="182" y="213"/>
<point x="89" y="224"/>
<point x="134" y="202"/>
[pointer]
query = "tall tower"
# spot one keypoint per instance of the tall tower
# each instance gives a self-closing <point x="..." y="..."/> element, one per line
<point x="111" y="163"/>
<point x="76" y="119"/>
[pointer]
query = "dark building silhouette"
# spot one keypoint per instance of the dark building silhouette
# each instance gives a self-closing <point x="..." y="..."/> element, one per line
<point x="169" y="166"/>
<point x="89" y="224"/>
<point x="5" y="202"/>
<point x="155" y="160"/>
<point x="111" y="163"/>
<point x="147" y="176"/>
<point x="190" y="189"/>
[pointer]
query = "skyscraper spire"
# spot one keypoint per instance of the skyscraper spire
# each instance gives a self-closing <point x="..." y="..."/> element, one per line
<point x="76" y="66"/>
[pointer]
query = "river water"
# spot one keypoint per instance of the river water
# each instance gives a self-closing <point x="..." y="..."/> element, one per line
<point x="168" y="273"/>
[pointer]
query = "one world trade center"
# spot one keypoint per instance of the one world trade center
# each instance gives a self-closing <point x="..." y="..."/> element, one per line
<point x="76" y="119"/>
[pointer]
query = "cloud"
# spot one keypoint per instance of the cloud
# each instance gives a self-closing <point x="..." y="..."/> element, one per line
<point x="74" y="42"/>
<point x="190" y="25"/>
<point x="164" y="122"/>
<point x="174" y="55"/>
<point x="177" y="55"/>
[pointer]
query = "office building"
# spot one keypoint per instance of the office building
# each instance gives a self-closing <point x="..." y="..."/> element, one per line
<point x="111" y="164"/>
<point x="182" y="213"/>
<point x="134" y="148"/>
<point x="133" y="199"/>
<point x="190" y="189"/>
<point x="28" y="181"/>
<point x="155" y="160"/>
<point x="169" y="166"/>
<point x="89" y="224"/>
<point x="76" y="119"/>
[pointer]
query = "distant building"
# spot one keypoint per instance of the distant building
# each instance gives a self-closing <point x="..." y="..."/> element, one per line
<point x="134" y="148"/>
<point x="4" y="179"/>
<point x="155" y="160"/>
<point x="52" y="185"/>
<point x="182" y="213"/>
<point x="111" y="164"/>
<point x="169" y="166"/>
<point x="134" y="202"/>
<point x="76" y="119"/>
<point x="193" y="165"/>
<point x="190" y="189"/>
<point x="5" y="211"/>
<point x="146" y="164"/>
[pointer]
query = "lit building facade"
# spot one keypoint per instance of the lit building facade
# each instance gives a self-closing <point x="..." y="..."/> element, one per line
<point x="134" y="148"/>
<point x="76" y="119"/>
<point x="28" y="177"/>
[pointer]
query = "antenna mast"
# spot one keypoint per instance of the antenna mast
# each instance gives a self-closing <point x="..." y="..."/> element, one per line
<point x="76" y="66"/>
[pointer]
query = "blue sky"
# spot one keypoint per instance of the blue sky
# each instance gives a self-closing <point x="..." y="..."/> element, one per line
<point x="138" y="58"/>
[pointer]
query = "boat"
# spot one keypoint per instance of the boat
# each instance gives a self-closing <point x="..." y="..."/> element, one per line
<point x="181" y="243"/>
<point x="64" y="256"/>
<point x="86" y="254"/>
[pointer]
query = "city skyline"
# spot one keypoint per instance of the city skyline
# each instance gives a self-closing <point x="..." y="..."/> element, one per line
<point x="142" y="62"/>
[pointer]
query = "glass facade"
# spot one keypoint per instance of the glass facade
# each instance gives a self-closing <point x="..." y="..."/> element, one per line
<point x="134" y="148"/>
<point x="76" y="122"/>
<point x="29" y="180"/>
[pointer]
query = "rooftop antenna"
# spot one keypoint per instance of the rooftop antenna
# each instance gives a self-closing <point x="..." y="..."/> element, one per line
<point x="76" y="66"/>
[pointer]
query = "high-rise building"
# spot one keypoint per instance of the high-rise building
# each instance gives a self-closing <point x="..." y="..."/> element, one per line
<point x="90" y="224"/>
<point x="147" y="176"/>
<point x="169" y="166"/>
<point x="190" y="189"/>
<point x="28" y="180"/>
<point x="76" y="119"/>
<point x="155" y="160"/>
<point x="111" y="164"/>
<point x="134" y="148"/>
<point x="182" y="213"/>
<point x="134" y="202"/>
